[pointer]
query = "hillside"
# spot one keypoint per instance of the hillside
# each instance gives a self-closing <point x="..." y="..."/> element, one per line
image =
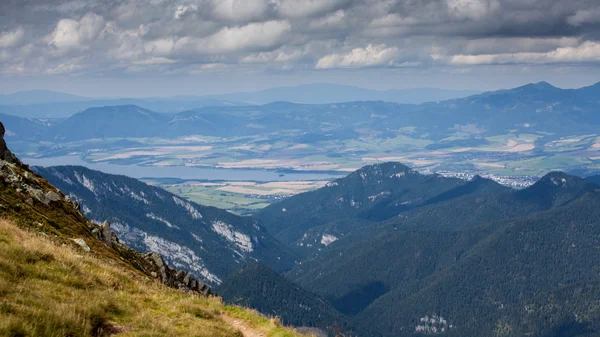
<point x="313" y="220"/>
<point x="260" y="288"/>
<point x="53" y="290"/>
<point x="473" y="259"/>
<point x="530" y="256"/>
<point x="594" y="179"/>
<point x="61" y="274"/>
<point x="206" y="241"/>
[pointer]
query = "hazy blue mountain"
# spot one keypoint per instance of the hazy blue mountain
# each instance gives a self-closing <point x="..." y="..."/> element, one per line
<point x="18" y="128"/>
<point x="322" y="93"/>
<point x="65" y="109"/>
<point x="206" y="241"/>
<point x="39" y="97"/>
<point x="52" y="104"/>
<point x="107" y="122"/>
<point x="533" y="107"/>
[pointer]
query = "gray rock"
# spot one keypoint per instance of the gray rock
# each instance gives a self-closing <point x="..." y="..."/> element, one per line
<point x="107" y="235"/>
<point x="44" y="197"/>
<point x="180" y="279"/>
<point x="186" y="280"/>
<point x="82" y="244"/>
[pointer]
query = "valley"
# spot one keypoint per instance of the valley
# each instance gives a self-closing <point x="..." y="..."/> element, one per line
<point x="494" y="133"/>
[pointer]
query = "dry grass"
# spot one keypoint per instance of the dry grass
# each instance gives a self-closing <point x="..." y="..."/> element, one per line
<point x="52" y="290"/>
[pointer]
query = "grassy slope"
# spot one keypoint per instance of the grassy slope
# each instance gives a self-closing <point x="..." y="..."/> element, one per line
<point x="48" y="289"/>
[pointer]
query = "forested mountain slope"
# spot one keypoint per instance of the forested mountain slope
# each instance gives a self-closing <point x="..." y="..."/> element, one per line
<point x="206" y="241"/>
<point x="473" y="260"/>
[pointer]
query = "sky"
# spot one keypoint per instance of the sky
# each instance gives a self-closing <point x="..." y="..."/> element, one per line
<point x="193" y="47"/>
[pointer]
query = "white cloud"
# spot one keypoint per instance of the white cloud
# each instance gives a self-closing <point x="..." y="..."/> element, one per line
<point x="154" y="61"/>
<point x="370" y="56"/>
<point x="307" y="8"/>
<point x="336" y="19"/>
<point x="11" y="38"/>
<point x="181" y="10"/>
<point x="240" y="10"/>
<point x="585" y="16"/>
<point x="159" y="47"/>
<point x="278" y="56"/>
<point x="70" y="34"/>
<point x="588" y="51"/>
<point x="248" y="34"/>
<point x="251" y="37"/>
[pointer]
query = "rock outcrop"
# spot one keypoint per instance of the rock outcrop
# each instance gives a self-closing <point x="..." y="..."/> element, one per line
<point x="5" y="153"/>
<point x="151" y="263"/>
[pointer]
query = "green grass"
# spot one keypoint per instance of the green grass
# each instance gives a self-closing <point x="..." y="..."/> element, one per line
<point x="52" y="290"/>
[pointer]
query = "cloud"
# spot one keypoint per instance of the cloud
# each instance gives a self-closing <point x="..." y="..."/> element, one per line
<point x="585" y="16"/>
<point x="175" y="35"/>
<point x="278" y="56"/>
<point x="370" y="56"/>
<point x="251" y="37"/>
<point x="11" y="38"/>
<point x="586" y="52"/>
<point x="240" y="10"/>
<point x="472" y="9"/>
<point x="308" y="8"/>
<point x="70" y="34"/>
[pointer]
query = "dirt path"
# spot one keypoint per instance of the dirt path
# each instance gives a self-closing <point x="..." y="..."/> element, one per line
<point x="243" y="327"/>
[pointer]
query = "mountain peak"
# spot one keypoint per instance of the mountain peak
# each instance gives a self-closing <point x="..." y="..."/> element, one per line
<point x="538" y="86"/>
<point x="556" y="188"/>
<point x="391" y="169"/>
<point x="560" y="179"/>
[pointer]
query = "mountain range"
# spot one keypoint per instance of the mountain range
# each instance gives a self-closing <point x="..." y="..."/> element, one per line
<point x="532" y="108"/>
<point x="385" y="251"/>
<point x="52" y="104"/>
<point x="466" y="257"/>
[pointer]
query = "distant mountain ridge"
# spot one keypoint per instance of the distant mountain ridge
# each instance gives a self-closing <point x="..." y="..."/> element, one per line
<point x="47" y="103"/>
<point x="533" y="108"/>
<point x="324" y="93"/>
<point x="39" y="97"/>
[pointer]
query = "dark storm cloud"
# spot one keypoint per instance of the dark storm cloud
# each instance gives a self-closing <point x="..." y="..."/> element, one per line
<point x="86" y="36"/>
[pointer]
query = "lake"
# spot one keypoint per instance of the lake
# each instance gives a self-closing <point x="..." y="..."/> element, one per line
<point x="184" y="172"/>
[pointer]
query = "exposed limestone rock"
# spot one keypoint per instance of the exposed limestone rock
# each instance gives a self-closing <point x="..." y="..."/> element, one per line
<point x="105" y="233"/>
<point x="44" y="197"/>
<point x="174" y="278"/>
<point x="81" y="242"/>
<point x="151" y="263"/>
